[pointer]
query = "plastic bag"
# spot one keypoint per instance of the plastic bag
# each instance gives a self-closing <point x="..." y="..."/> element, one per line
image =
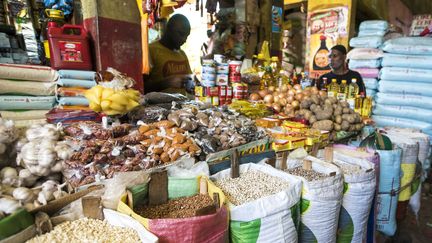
<point x="374" y="25"/>
<point x="367" y="41"/>
<point x="371" y="32"/>
<point x="409" y="46"/>
<point x="148" y="114"/>
<point x="365" y="53"/>
<point x="404" y="112"/>
<point x="406" y="74"/>
<point x="388" y="121"/>
<point x="73" y="101"/>
<point x="77" y="74"/>
<point x="406" y="61"/>
<point x="404" y="100"/>
<point x="371" y="83"/>
<point x="26" y="102"/>
<point x="368" y="72"/>
<point x="364" y="63"/>
<point x="27" y="88"/>
<point x="160" y="97"/>
<point x="76" y="83"/>
<point x="405" y="88"/>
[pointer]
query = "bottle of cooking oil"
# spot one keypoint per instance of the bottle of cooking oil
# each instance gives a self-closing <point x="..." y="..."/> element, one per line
<point x="274" y="64"/>
<point x="353" y="91"/>
<point x="267" y="78"/>
<point x="323" y="85"/>
<point x="343" y="90"/>
<point x="367" y="106"/>
<point x="333" y="88"/>
<point x="259" y="64"/>
<point x="359" y="103"/>
<point x="283" y="79"/>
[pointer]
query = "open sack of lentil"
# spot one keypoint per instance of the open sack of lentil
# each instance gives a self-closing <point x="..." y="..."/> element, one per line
<point x="358" y="194"/>
<point x="175" y="221"/>
<point x="263" y="203"/>
<point x="321" y="198"/>
<point x="371" y="156"/>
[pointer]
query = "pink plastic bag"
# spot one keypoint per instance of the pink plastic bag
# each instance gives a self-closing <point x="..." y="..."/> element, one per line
<point x="368" y="72"/>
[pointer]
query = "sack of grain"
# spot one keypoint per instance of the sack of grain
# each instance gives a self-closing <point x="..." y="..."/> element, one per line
<point x="263" y="203"/>
<point x="321" y="199"/>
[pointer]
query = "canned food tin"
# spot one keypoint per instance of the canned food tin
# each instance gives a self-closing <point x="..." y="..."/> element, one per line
<point x="215" y="101"/>
<point x="211" y="91"/>
<point x="234" y="67"/>
<point x="222" y="80"/>
<point x="222" y="68"/>
<point x="199" y="91"/>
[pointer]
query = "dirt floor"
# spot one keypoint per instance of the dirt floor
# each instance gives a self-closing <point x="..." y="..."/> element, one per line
<point x="411" y="231"/>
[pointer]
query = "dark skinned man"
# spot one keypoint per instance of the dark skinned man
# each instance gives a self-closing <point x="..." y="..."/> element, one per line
<point x="340" y="70"/>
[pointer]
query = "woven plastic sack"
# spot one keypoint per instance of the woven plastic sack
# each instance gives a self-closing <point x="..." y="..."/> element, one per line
<point x="76" y="83"/>
<point x="73" y="101"/>
<point x="358" y="194"/>
<point x="389" y="182"/>
<point x="405" y="88"/>
<point x="28" y="72"/>
<point x="24" y="115"/>
<point x="389" y="121"/>
<point x="365" y="53"/>
<point x="404" y="112"/>
<point x="371" y="83"/>
<point x="269" y="219"/>
<point x="404" y="100"/>
<point x="406" y="61"/>
<point x="207" y="228"/>
<point x="77" y="74"/>
<point x="409" y="46"/>
<point x="27" y="87"/>
<point x="320" y="203"/>
<point x="363" y="33"/>
<point x="366" y="42"/>
<point x="364" y="63"/>
<point x="9" y="102"/>
<point x="373" y="25"/>
<point x="406" y="74"/>
<point x="368" y="72"/>
<point x="371" y="92"/>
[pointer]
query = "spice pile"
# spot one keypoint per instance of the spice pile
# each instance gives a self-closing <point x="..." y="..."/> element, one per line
<point x="309" y="175"/>
<point x="184" y="207"/>
<point x="87" y="230"/>
<point x="250" y="186"/>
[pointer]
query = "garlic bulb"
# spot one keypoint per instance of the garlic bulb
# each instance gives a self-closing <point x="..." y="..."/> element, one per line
<point x="28" y="178"/>
<point x="8" y="172"/>
<point x="45" y="196"/>
<point x="20" y="144"/>
<point x="58" y="167"/>
<point x="59" y="194"/>
<point x="64" y="150"/>
<point x="2" y="148"/>
<point x="8" y="205"/>
<point x="23" y="194"/>
<point x="46" y="156"/>
<point x="8" y="131"/>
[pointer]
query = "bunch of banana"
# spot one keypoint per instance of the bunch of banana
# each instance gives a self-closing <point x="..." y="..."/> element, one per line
<point x="110" y="101"/>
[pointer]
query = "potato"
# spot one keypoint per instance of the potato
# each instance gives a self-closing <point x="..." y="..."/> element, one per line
<point x="323" y="114"/>
<point x="344" y="104"/>
<point x="337" y="111"/>
<point x="345" y="125"/>
<point x="337" y="127"/>
<point x="346" y="110"/>
<point x="358" y="126"/>
<point x="306" y="103"/>
<point x="351" y="118"/>
<point x="313" y="107"/>
<point x="324" y="125"/>
<point x="312" y="119"/>
<point x="315" y="99"/>
<point x="338" y="119"/>
<point x="308" y="114"/>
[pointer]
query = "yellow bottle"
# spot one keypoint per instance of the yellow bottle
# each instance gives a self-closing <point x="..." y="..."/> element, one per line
<point x="283" y="79"/>
<point x="266" y="79"/>
<point x="333" y="88"/>
<point x="343" y="91"/>
<point x="359" y="103"/>
<point x="367" y="106"/>
<point x="353" y="92"/>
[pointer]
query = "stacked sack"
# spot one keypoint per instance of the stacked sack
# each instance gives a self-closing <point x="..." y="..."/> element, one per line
<point x="366" y="55"/>
<point x="405" y="94"/>
<point x="27" y="92"/>
<point x="72" y="105"/>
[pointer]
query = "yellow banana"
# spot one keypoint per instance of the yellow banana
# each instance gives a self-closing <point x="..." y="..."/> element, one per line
<point x="91" y="97"/>
<point x="98" y="91"/>
<point x="112" y="112"/>
<point x="118" y="107"/>
<point x="95" y="107"/>
<point x="131" y="104"/>
<point x="105" y="104"/>
<point x="106" y="93"/>
<point x="132" y="94"/>
<point x="119" y="98"/>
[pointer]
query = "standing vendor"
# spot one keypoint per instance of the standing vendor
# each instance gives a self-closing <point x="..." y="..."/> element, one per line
<point x="340" y="70"/>
<point x="170" y="71"/>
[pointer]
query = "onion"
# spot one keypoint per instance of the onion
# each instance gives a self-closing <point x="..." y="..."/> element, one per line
<point x="278" y="89"/>
<point x="276" y="98"/>
<point x="295" y="103"/>
<point x="307" y="92"/>
<point x="322" y="93"/>
<point x="282" y="95"/>
<point x="284" y="88"/>
<point x="298" y="91"/>
<point x="263" y="93"/>
<point x="299" y="97"/>
<point x="290" y="99"/>
<point x="291" y="92"/>
<point x="289" y="86"/>
<point x="297" y="86"/>
<point x="314" y="90"/>
<point x="254" y="97"/>
<point x="268" y="99"/>
<point x="276" y="107"/>
<point x="275" y="93"/>
<point x="283" y="101"/>
<point x="271" y="88"/>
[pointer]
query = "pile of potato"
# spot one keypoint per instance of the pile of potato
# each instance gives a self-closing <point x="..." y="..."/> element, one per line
<point x="322" y="112"/>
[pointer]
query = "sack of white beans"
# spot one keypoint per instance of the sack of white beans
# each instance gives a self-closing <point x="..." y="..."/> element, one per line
<point x="263" y="203"/>
<point x="359" y="191"/>
<point x="321" y="201"/>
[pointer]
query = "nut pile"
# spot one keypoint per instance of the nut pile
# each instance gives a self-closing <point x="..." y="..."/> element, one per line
<point x="87" y="230"/>
<point x="184" y="207"/>
<point x="348" y="168"/>
<point x="309" y="175"/>
<point x="250" y="186"/>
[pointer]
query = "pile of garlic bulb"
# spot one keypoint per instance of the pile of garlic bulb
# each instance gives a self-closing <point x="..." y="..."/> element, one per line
<point x="40" y="151"/>
<point x="8" y="135"/>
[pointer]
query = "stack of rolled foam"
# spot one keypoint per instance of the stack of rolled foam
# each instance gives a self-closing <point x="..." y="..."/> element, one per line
<point x="27" y="92"/>
<point x="405" y="94"/>
<point x="366" y="55"/>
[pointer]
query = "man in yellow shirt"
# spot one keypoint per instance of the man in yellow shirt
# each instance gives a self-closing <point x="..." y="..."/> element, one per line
<point x="170" y="71"/>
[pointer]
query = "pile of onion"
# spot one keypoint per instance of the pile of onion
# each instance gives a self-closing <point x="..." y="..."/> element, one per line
<point x="285" y="99"/>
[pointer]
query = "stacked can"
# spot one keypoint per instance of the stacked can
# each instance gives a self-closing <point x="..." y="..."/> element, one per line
<point x="208" y="74"/>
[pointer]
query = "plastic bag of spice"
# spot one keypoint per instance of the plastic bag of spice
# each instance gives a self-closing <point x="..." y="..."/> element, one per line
<point x="208" y="228"/>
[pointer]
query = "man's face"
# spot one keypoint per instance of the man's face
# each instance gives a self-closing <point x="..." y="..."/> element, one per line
<point x="337" y="59"/>
<point x="179" y="34"/>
